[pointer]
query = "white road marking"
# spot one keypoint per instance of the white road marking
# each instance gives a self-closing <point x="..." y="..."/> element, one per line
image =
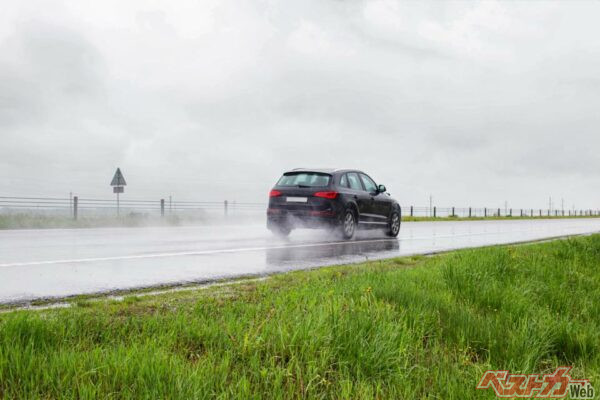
<point x="185" y="253"/>
<point x="239" y="250"/>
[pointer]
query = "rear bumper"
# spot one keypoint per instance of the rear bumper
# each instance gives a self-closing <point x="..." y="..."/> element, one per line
<point x="302" y="219"/>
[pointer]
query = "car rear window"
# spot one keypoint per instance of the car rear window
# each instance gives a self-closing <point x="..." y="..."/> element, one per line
<point x="309" y="179"/>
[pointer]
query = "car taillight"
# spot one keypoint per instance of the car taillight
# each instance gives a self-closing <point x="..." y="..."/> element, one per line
<point x="274" y="193"/>
<point x="326" y="195"/>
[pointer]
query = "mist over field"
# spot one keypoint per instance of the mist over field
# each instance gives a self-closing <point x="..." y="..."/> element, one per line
<point x="473" y="103"/>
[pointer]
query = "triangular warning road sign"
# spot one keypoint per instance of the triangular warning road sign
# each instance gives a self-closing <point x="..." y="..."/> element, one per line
<point x="118" y="179"/>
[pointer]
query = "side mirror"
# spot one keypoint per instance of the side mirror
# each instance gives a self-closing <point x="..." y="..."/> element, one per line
<point x="381" y="188"/>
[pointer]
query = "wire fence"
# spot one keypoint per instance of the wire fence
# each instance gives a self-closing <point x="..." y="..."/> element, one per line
<point x="479" y="212"/>
<point x="87" y="207"/>
<point x="95" y="207"/>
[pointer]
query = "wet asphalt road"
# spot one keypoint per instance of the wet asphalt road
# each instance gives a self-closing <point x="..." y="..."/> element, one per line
<point x="62" y="262"/>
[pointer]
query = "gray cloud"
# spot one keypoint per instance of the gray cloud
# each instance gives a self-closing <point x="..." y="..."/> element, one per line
<point x="471" y="102"/>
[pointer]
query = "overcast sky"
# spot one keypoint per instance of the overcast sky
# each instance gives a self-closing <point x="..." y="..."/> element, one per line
<point x="473" y="103"/>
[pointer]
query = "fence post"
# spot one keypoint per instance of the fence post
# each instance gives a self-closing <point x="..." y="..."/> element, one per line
<point x="411" y="211"/>
<point x="532" y="212"/>
<point x="453" y="211"/>
<point x="498" y="211"/>
<point x="75" y="206"/>
<point x="510" y="215"/>
<point x="470" y="212"/>
<point x="162" y="207"/>
<point x="434" y="211"/>
<point x="521" y="212"/>
<point x="485" y="211"/>
<point x="225" y="204"/>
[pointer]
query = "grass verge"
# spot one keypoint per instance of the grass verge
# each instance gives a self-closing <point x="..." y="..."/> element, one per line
<point x="33" y="221"/>
<point x="406" y="328"/>
<point x="408" y="218"/>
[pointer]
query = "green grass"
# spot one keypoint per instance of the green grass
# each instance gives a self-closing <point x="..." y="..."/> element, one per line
<point x="33" y="221"/>
<point x="406" y="328"/>
<point x="493" y="218"/>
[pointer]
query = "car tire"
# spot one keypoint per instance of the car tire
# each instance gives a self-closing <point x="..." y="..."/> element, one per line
<point x="348" y="227"/>
<point x="281" y="230"/>
<point x="394" y="224"/>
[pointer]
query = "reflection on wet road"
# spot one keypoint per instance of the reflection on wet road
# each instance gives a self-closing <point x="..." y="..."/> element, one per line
<point x="54" y="263"/>
<point x="321" y="255"/>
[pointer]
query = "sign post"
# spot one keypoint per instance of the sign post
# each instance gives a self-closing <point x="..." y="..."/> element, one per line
<point x="118" y="183"/>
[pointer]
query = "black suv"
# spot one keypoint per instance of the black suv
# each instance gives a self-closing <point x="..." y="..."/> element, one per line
<point x="339" y="199"/>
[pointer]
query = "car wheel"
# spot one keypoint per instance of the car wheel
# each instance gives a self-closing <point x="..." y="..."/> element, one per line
<point x="281" y="230"/>
<point x="348" y="225"/>
<point x="394" y="227"/>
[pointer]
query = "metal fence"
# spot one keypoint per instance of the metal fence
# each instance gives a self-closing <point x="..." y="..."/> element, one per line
<point x="81" y="206"/>
<point x="478" y="212"/>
